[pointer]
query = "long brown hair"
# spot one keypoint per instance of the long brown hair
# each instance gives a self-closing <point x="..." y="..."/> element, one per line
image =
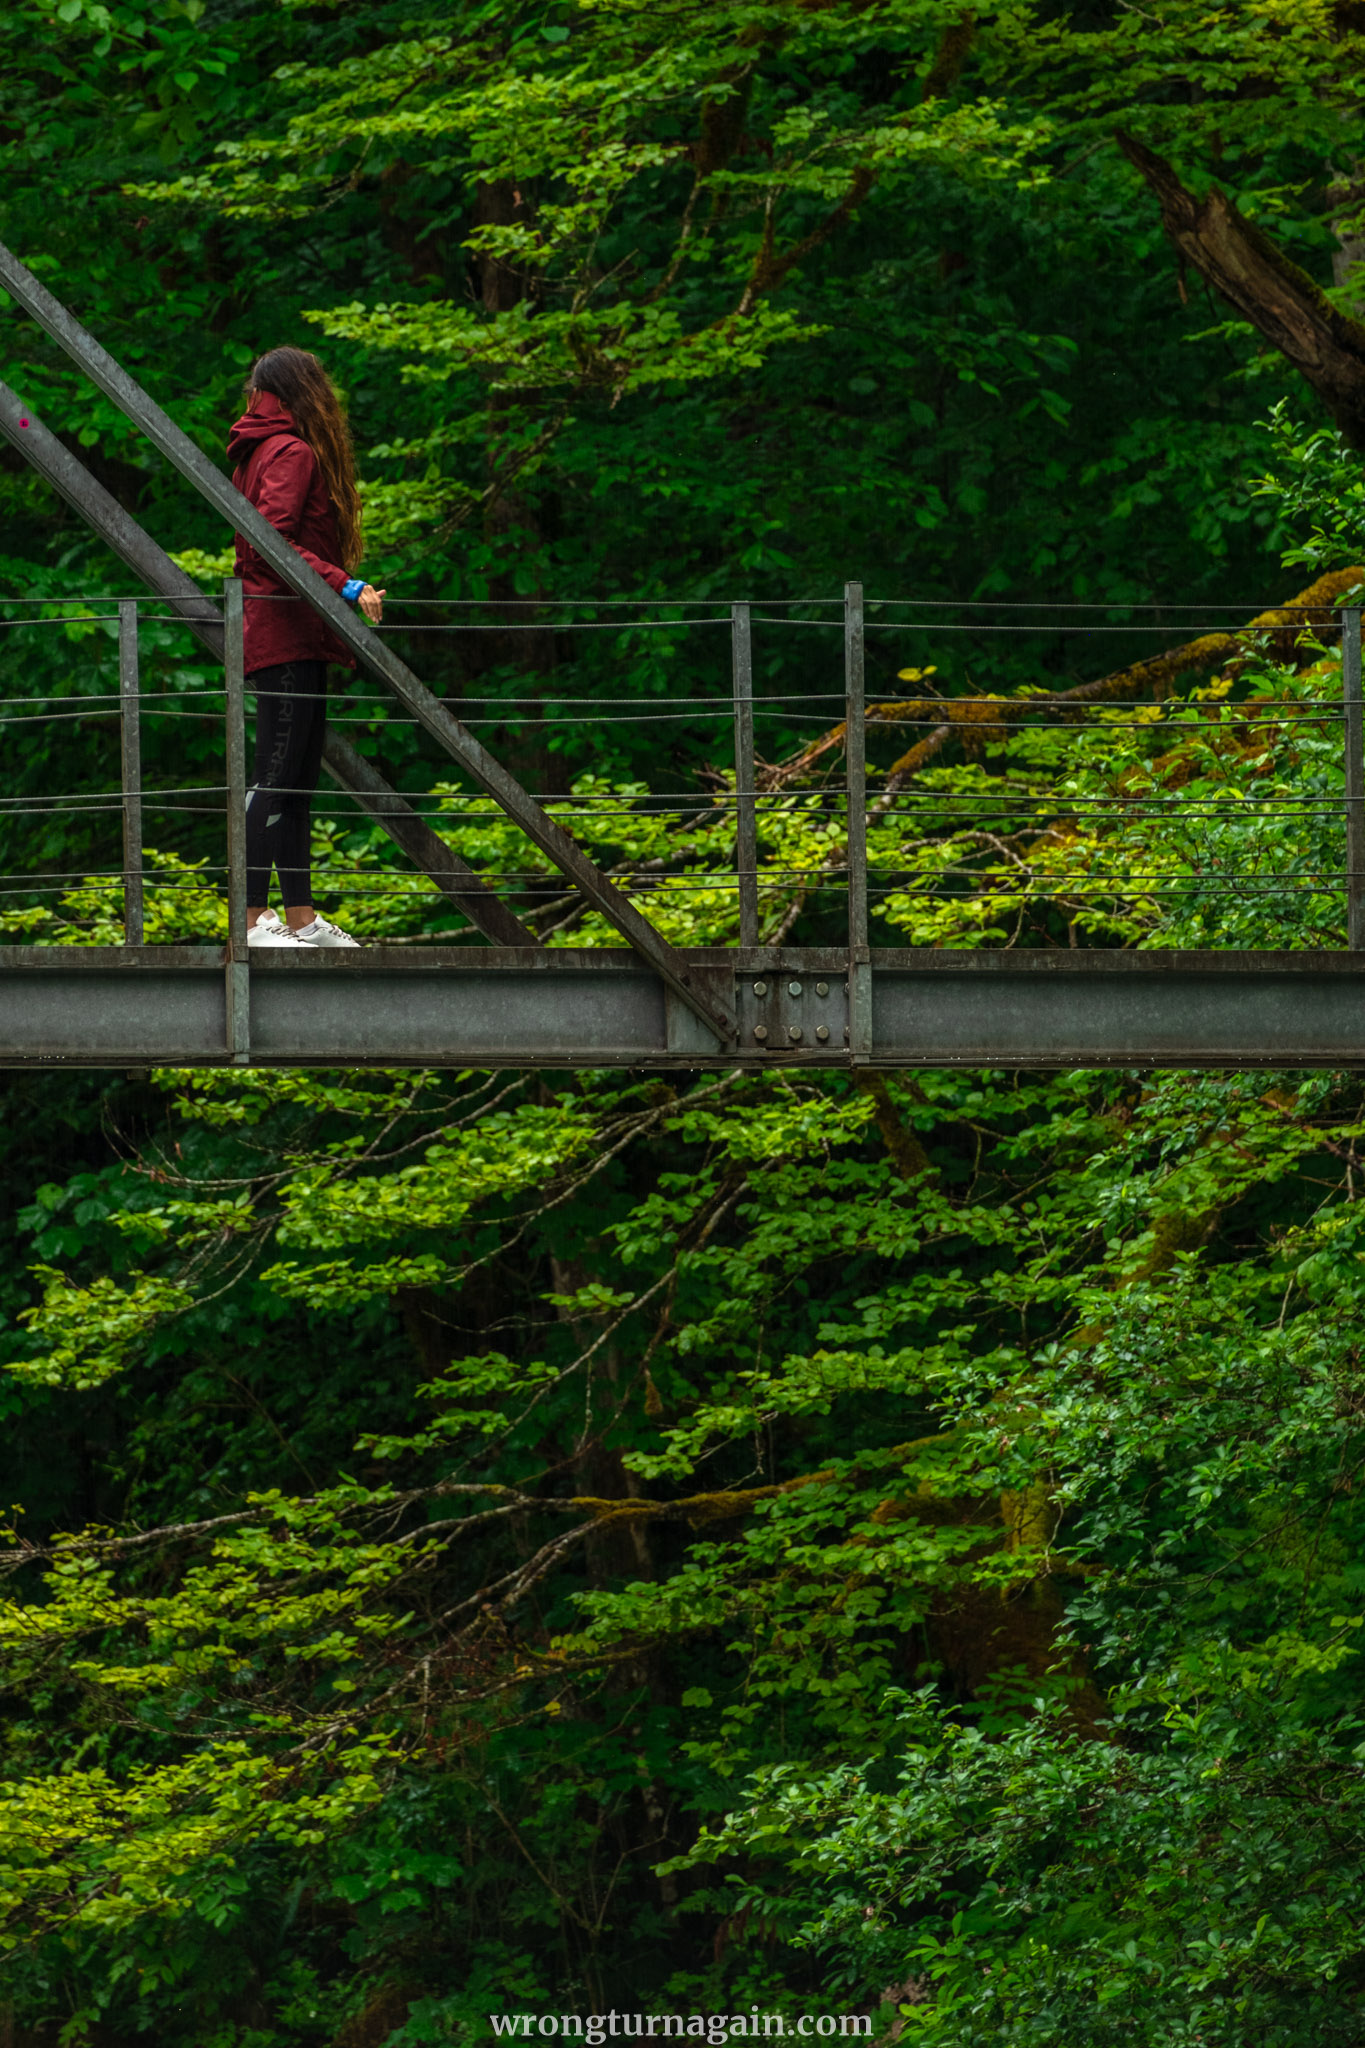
<point x="301" y="384"/>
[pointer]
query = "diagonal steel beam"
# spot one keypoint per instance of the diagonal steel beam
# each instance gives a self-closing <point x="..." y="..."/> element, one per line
<point x="466" y="888"/>
<point x="71" y="480"/>
<point x="350" y="770"/>
<point x="558" y="845"/>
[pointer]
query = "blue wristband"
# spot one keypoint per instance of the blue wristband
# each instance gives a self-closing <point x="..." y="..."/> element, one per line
<point x="352" y="588"/>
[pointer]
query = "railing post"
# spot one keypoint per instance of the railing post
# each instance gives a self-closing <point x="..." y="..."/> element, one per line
<point x="855" y="757"/>
<point x="238" y="971"/>
<point x="1355" y="778"/>
<point x="130" y="771"/>
<point x="746" y="823"/>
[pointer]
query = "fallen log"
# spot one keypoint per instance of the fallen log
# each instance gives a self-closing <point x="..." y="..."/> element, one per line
<point x="1297" y="621"/>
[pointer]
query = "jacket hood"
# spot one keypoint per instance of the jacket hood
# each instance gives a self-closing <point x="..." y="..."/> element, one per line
<point x="270" y="418"/>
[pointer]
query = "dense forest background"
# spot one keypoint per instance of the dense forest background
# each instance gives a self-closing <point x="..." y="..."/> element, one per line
<point x="576" y="1542"/>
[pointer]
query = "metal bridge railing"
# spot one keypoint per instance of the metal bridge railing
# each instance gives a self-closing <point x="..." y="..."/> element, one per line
<point x="843" y="713"/>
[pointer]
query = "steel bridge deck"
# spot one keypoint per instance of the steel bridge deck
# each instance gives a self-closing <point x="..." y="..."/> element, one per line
<point x="562" y="1008"/>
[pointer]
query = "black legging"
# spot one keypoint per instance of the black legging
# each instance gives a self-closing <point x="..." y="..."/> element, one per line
<point x="291" y="714"/>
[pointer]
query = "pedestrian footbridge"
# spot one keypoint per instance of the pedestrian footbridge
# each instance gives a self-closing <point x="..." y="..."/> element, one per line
<point x="507" y="999"/>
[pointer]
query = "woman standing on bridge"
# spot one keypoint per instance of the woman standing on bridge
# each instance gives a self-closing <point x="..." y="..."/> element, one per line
<point x="295" y="463"/>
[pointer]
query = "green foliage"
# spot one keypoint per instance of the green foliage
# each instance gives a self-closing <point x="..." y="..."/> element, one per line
<point x="1012" y="1877"/>
<point x="562" y="1542"/>
<point x="1136" y="1306"/>
<point x="1316" y="479"/>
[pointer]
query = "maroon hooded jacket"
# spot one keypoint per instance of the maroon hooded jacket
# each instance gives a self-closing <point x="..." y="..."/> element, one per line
<point x="278" y="471"/>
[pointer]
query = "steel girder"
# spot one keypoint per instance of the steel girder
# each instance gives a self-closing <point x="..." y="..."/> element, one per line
<point x="443" y="1006"/>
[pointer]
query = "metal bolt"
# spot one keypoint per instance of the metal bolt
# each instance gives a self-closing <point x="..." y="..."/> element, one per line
<point x="845" y="988"/>
<point x="822" y="1032"/>
<point x="794" y="1033"/>
<point x="760" y="988"/>
<point x="822" y="988"/>
<point x="845" y="1034"/>
<point x="793" y="988"/>
<point x="760" y="1032"/>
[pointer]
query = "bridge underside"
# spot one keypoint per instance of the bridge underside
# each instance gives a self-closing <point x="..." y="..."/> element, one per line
<point x="394" y="1007"/>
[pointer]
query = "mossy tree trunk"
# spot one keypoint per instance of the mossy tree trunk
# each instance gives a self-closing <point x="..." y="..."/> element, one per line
<point x="1282" y="302"/>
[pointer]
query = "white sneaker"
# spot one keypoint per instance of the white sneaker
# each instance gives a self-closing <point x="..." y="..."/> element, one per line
<point x="321" y="932"/>
<point x="268" y="931"/>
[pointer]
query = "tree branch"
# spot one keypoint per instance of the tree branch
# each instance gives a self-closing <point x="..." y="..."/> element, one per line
<point x="1242" y="264"/>
<point x="1307" y="614"/>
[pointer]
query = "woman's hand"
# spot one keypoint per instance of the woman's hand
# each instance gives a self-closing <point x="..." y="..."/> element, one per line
<point x="371" y="602"/>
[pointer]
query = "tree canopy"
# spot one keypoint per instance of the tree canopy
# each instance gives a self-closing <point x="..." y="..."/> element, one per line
<point x="882" y="1544"/>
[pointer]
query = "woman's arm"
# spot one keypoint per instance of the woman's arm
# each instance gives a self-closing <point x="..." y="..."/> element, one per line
<point x="282" y="488"/>
<point x="282" y="492"/>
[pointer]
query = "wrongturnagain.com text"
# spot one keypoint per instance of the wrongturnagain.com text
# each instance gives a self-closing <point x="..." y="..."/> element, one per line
<point x="716" y="2029"/>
